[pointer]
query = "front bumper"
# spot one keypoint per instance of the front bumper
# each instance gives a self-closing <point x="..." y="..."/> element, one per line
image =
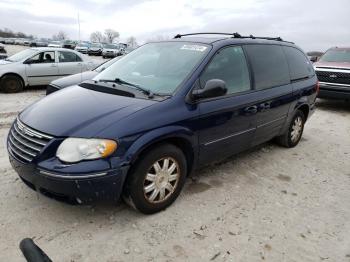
<point x="83" y="51"/>
<point x="327" y="90"/>
<point x="94" y="52"/>
<point x="82" y="189"/>
<point x="109" y="54"/>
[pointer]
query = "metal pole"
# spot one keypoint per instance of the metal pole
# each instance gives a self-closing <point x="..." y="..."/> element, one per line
<point x="79" y="26"/>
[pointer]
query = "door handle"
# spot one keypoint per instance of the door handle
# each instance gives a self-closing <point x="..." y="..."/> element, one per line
<point x="251" y="110"/>
<point x="53" y="65"/>
<point x="265" y="106"/>
<point x="79" y="64"/>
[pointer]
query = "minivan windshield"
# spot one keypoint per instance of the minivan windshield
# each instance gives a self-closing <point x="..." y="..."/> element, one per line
<point x="22" y="55"/>
<point x="336" y="55"/>
<point x="103" y="66"/>
<point x="157" y="67"/>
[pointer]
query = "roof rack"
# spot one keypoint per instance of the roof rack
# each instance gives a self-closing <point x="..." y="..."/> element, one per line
<point x="234" y="35"/>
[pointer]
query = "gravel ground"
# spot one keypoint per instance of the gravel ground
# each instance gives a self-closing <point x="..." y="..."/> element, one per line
<point x="269" y="203"/>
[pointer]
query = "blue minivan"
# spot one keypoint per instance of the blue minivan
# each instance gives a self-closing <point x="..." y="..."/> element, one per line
<point x="143" y="124"/>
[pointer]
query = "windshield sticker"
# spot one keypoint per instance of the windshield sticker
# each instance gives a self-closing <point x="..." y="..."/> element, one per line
<point x="198" y="48"/>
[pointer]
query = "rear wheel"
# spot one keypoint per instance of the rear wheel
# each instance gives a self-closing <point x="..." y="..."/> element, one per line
<point x="157" y="179"/>
<point x="11" y="84"/>
<point x="295" y="131"/>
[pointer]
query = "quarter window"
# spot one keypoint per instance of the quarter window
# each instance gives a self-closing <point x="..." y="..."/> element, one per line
<point x="66" y="57"/>
<point x="269" y="64"/>
<point x="299" y="65"/>
<point x="229" y="65"/>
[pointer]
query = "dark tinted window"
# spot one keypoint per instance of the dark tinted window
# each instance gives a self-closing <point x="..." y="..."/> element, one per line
<point x="65" y="56"/>
<point x="229" y="65"/>
<point x="269" y="65"/>
<point x="299" y="65"/>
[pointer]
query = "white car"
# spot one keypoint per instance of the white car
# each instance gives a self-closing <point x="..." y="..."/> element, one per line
<point x="40" y="66"/>
<point x="82" y="48"/>
<point x="110" y="50"/>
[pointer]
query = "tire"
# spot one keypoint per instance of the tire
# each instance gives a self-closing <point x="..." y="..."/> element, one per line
<point x="290" y="138"/>
<point x="144" y="185"/>
<point x="11" y="84"/>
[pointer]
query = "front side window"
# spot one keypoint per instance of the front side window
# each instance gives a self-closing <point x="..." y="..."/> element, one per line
<point x="158" y="67"/>
<point x="67" y="57"/>
<point x="269" y="65"/>
<point x="43" y="57"/>
<point x="229" y="65"/>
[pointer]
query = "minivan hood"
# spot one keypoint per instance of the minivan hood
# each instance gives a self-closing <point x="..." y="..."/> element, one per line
<point x="343" y="65"/>
<point x="79" y="112"/>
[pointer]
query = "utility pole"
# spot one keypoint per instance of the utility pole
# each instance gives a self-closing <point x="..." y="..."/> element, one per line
<point x="79" y="26"/>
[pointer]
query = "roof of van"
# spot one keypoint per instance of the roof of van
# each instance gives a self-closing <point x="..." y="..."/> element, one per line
<point x="234" y="38"/>
<point x="212" y="40"/>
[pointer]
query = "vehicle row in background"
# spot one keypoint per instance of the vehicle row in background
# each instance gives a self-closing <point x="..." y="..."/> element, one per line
<point x="40" y="66"/>
<point x="314" y="56"/>
<point x="3" y="53"/>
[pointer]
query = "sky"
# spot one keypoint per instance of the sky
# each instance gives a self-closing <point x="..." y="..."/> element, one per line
<point x="311" y="24"/>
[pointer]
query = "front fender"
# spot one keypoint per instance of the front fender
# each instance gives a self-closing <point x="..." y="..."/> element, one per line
<point x="156" y="136"/>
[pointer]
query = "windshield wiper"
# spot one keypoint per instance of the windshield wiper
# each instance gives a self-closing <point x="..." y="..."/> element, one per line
<point x="148" y="92"/>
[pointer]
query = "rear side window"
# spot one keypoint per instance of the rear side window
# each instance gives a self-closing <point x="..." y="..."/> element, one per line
<point x="229" y="65"/>
<point x="299" y="65"/>
<point x="269" y="64"/>
<point x="66" y="57"/>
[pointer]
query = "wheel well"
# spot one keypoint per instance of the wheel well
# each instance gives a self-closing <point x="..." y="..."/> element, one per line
<point x="181" y="143"/>
<point x="14" y="74"/>
<point x="305" y="110"/>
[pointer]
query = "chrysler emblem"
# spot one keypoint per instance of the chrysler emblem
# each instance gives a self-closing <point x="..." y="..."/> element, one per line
<point x="25" y="131"/>
<point x="333" y="76"/>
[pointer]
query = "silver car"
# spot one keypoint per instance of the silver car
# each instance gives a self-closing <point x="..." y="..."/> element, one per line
<point x="110" y="50"/>
<point x="40" y="66"/>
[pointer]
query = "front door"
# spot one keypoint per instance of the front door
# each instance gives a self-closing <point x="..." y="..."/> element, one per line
<point x="227" y="124"/>
<point x="42" y="68"/>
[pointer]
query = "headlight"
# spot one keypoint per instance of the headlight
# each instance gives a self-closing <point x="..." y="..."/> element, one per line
<point x="77" y="149"/>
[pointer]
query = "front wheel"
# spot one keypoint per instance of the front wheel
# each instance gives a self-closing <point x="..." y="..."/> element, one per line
<point x="157" y="179"/>
<point x="11" y="84"/>
<point x="295" y="131"/>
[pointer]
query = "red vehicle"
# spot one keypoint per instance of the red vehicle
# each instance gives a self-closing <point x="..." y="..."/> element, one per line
<point x="333" y="72"/>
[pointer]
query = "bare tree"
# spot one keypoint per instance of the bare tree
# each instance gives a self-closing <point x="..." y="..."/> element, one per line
<point x="60" y="36"/>
<point x="111" y="35"/>
<point x="131" y="41"/>
<point x="96" y="37"/>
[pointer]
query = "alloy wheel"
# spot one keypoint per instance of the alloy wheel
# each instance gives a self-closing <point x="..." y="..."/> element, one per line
<point x="161" y="180"/>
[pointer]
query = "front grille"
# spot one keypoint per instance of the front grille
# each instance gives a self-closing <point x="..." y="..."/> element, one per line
<point x="333" y="77"/>
<point x="25" y="143"/>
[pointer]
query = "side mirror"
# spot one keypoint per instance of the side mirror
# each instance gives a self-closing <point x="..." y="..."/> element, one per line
<point x="28" y="61"/>
<point x="212" y="88"/>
